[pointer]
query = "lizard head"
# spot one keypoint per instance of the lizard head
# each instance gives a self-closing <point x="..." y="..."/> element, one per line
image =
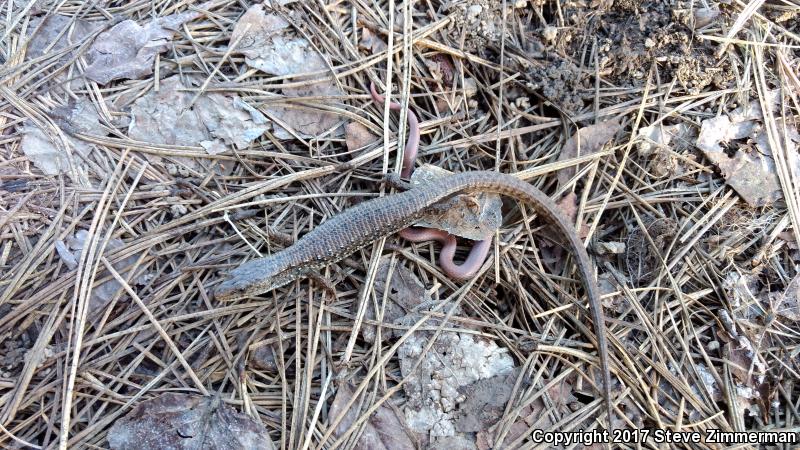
<point x="256" y="277"/>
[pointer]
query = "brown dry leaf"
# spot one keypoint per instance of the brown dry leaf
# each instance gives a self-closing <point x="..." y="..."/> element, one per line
<point x="101" y="293"/>
<point x="660" y="143"/>
<point x="46" y="149"/>
<point x="531" y="416"/>
<point x="78" y="117"/>
<point x="181" y="421"/>
<point x="269" y="45"/>
<point x="370" y="42"/>
<point x="406" y="292"/>
<point x="485" y="402"/>
<point x="750" y="171"/>
<point x="385" y="428"/>
<point x="231" y="119"/>
<point x="55" y="31"/>
<point x="586" y="141"/>
<point x="264" y="354"/>
<point x="788" y="302"/>
<point x="266" y="42"/>
<point x="128" y="50"/>
<point x="441" y="69"/>
<point x="163" y="117"/>
<point x="471" y="216"/>
<point x="357" y="136"/>
<point x="740" y="290"/>
<point x="306" y="120"/>
<point x="745" y="366"/>
<point x="709" y="382"/>
<point x="568" y="205"/>
<point x="214" y="121"/>
<point x="789" y="238"/>
<point x="657" y="137"/>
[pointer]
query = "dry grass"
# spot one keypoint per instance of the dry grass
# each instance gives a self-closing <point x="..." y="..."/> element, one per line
<point x="70" y="368"/>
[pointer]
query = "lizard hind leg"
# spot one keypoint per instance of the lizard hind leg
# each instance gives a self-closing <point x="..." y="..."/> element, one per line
<point x="393" y="179"/>
<point x="326" y="286"/>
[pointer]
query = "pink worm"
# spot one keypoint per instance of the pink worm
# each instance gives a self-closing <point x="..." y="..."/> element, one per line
<point x="412" y="145"/>
<point x="468" y="268"/>
<point x="480" y="249"/>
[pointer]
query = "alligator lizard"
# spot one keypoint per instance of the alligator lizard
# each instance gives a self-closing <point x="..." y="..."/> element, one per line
<point x="359" y="226"/>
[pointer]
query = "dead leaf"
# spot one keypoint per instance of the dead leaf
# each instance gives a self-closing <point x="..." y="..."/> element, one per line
<point x="385" y="429"/>
<point x="128" y="50"/>
<point x="533" y="415"/>
<point x="269" y="45"/>
<point x="485" y="402"/>
<point x="405" y="293"/>
<point x="441" y="68"/>
<point x="709" y="382"/>
<point x="568" y="205"/>
<point x="660" y="137"/>
<point x="78" y="117"/>
<point x="750" y="169"/>
<point x="789" y="238"/>
<point x="788" y="302"/>
<point x="745" y="365"/>
<point x="306" y="119"/>
<point x="740" y="289"/>
<point x="357" y="136"/>
<point x="57" y="33"/>
<point x="48" y="152"/>
<point x="182" y="421"/>
<point x="371" y="42"/>
<point x="231" y="119"/>
<point x="471" y="216"/>
<point x="101" y="293"/>
<point x="163" y="117"/>
<point x="265" y="41"/>
<point x="215" y="120"/>
<point x="47" y="149"/>
<point x="586" y="141"/>
<point x="264" y="353"/>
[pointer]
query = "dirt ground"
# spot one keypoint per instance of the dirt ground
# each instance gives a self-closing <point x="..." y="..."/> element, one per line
<point x="150" y="148"/>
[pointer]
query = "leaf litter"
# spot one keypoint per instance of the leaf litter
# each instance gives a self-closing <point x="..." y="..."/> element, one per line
<point x="270" y="46"/>
<point x="185" y="421"/>
<point x="128" y="50"/>
<point x="47" y="150"/>
<point x="750" y="169"/>
<point x="185" y="153"/>
<point x="214" y="121"/>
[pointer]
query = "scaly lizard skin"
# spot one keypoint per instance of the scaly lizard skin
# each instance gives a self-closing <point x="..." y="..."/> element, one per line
<point x="359" y="226"/>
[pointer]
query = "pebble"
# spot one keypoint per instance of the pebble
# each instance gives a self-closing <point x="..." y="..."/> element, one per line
<point x="474" y="11"/>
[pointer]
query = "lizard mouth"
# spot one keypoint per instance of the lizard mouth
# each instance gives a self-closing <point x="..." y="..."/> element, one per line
<point x="230" y="290"/>
<point x="255" y="277"/>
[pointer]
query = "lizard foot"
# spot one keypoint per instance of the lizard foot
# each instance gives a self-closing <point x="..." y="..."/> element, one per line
<point x="393" y="179"/>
